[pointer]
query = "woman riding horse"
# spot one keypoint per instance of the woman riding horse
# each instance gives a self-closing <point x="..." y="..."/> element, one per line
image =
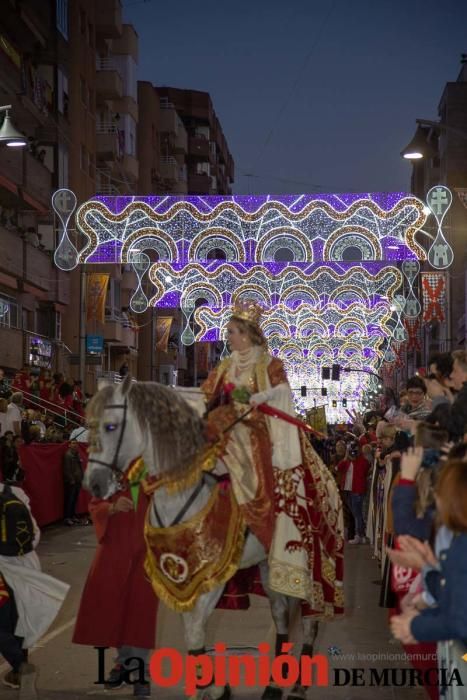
<point x="286" y="495"/>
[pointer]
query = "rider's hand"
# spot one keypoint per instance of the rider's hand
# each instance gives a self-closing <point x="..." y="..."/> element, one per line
<point x="122" y="505"/>
<point x="260" y="397"/>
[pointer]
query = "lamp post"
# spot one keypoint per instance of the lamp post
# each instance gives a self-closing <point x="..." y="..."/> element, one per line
<point x="9" y="135"/>
<point x="418" y="147"/>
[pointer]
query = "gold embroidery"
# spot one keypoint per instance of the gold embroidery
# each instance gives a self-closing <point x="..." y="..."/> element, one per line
<point x="186" y="560"/>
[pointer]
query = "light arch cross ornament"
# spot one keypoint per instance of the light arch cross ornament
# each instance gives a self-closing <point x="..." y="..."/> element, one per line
<point x="311" y="261"/>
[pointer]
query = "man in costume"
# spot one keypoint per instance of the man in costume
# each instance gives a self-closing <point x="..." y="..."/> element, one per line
<point x="118" y="607"/>
<point x="29" y="601"/>
<point x="287" y="496"/>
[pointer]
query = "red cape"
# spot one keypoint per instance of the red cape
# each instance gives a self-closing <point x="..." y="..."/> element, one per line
<point x="118" y="606"/>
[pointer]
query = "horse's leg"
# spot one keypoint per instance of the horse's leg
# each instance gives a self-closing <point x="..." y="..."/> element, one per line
<point x="310" y="630"/>
<point x="194" y="623"/>
<point x="280" y="615"/>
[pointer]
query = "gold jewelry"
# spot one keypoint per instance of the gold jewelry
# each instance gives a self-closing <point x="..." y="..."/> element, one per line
<point x="248" y="310"/>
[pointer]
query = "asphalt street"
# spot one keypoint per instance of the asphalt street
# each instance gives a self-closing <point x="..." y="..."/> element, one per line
<point x="67" y="672"/>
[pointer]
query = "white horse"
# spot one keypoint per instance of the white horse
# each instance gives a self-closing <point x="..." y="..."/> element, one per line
<point x="148" y="420"/>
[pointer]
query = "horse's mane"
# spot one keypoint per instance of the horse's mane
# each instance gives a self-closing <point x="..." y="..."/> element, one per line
<point x="175" y="427"/>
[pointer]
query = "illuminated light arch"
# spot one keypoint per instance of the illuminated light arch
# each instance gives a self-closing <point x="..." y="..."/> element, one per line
<point x="292" y="350"/>
<point x="217" y="238"/>
<point x="195" y="291"/>
<point x="276" y="327"/>
<point x="285" y="237"/>
<point x="312" y="327"/>
<point x="253" y="292"/>
<point x="346" y="289"/>
<point x="352" y="236"/>
<point x="150" y="238"/>
<point x="302" y="294"/>
<point x="349" y="326"/>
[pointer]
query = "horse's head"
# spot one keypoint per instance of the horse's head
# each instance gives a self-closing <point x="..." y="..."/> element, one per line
<point x="139" y="419"/>
<point x="116" y="438"/>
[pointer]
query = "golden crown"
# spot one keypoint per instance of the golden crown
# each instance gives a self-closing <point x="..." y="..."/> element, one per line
<point x="248" y="310"/>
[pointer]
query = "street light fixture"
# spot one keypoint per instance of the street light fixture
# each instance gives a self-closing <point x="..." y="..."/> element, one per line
<point x="8" y="134"/>
<point x="419" y="147"/>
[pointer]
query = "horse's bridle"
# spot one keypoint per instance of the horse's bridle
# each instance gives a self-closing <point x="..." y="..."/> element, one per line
<point x="113" y="464"/>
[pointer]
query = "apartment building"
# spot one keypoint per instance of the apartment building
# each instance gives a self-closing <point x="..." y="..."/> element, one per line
<point x="445" y="162"/>
<point x="34" y="294"/>
<point x="102" y="159"/>
<point x="181" y="150"/>
<point x="209" y="164"/>
<point x="162" y="145"/>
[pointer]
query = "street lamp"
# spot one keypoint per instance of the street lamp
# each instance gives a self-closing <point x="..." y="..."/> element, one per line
<point x="8" y="134"/>
<point x="419" y="147"/>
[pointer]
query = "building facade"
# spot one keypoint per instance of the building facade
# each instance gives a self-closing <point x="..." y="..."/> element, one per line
<point x="182" y="150"/>
<point x="445" y="162"/>
<point x="34" y="294"/>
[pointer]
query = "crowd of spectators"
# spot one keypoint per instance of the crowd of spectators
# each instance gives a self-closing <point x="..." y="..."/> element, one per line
<point x="402" y="472"/>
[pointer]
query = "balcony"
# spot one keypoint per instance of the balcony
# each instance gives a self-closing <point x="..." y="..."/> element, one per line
<point x="38" y="267"/>
<point x="198" y="146"/>
<point x="62" y="288"/>
<point x="130" y="165"/>
<point x="169" y="168"/>
<point x="11" y="344"/>
<point x="109" y="18"/>
<point x="106" y="143"/>
<point x="129" y="280"/>
<point x="127" y="43"/>
<point x="38" y="180"/>
<point x="113" y="330"/>
<point x="129" y="337"/>
<point x="199" y="184"/>
<point x="109" y="85"/>
<point x="11" y="259"/>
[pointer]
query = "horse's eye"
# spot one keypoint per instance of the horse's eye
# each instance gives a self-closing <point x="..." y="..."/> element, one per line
<point x="110" y="427"/>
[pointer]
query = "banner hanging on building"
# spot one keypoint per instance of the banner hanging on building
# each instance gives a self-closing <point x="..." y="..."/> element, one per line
<point x="434" y="296"/>
<point x="413" y="327"/>
<point x="163" y="326"/>
<point x="96" y="292"/>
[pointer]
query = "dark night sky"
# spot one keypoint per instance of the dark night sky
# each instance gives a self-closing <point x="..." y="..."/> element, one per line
<point x="312" y="96"/>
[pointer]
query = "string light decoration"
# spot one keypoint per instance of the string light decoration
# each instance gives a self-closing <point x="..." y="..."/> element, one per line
<point x="325" y="268"/>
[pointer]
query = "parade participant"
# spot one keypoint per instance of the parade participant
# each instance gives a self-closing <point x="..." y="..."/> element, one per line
<point x="72" y="480"/>
<point x="29" y="599"/>
<point x="118" y="607"/>
<point x="286" y="495"/>
<point x="354" y="470"/>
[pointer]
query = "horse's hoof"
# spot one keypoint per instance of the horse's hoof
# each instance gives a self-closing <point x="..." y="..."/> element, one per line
<point x="272" y="693"/>
<point x="298" y="692"/>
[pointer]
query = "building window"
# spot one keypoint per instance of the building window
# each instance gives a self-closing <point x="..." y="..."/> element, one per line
<point x="62" y="92"/>
<point x="9" y="312"/>
<point x="203" y="169"/>
<point x="61" y="8"/>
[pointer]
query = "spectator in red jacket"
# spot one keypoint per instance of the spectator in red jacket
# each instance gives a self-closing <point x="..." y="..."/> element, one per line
<point x="354" y="471"/>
